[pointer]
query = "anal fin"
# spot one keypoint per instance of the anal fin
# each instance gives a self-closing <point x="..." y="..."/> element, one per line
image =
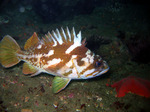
<point x="59" y="83"/>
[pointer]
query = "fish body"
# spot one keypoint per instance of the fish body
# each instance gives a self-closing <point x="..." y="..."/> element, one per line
<point x="60" y="53"/>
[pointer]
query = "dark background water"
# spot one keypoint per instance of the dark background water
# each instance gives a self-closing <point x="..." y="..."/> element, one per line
<point x="58" y="10"/>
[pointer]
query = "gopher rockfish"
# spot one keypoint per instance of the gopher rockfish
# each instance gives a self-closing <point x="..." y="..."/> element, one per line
<point x="59" y="53"/>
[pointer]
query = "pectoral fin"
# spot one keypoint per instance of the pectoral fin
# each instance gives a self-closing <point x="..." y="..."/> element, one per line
<point x="29" y="69"/>
<point x="59" y="83"/>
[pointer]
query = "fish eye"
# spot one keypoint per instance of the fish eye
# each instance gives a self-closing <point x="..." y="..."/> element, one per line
<point x="97" y="64"/>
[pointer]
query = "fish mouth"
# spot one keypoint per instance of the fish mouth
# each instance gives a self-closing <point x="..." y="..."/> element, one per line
<point x="105" y="68"/>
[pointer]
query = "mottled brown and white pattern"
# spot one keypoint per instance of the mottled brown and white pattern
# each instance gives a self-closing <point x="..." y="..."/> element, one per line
<point x="64" y="54"/>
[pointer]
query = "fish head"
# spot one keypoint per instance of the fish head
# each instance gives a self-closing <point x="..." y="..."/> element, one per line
<point x="93" y="66"/>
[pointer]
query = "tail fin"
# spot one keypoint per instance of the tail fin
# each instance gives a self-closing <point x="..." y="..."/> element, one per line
<point x="8" y="49"/>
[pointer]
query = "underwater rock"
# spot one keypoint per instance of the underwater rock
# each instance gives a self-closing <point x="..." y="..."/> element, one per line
<point x="95" y="41"/>
<point x="138" y="46"/>
<point x="4" y="19"/>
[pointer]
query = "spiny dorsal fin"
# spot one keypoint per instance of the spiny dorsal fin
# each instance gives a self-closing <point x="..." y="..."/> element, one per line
<point x="56" y="37"/>
<point x="31" y="42"/>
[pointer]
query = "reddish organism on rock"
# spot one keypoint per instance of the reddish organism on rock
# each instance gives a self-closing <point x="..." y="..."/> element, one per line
<point x="134" y="85"/>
